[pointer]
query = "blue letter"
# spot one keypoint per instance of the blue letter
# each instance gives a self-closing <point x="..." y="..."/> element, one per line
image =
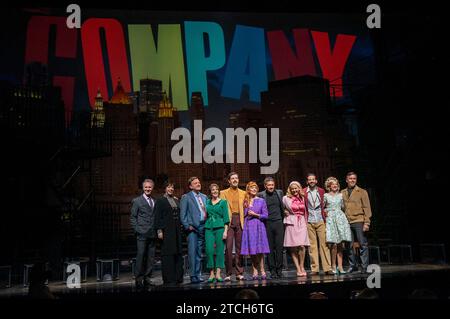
<point x="248" y="48"/>
<point x="197" y="61"/>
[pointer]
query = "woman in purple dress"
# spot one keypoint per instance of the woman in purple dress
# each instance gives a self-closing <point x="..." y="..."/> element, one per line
<point x="254" y="236"/>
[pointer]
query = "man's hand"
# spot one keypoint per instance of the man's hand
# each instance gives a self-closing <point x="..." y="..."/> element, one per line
<point x="325" y="213"/>
<point x="160" y="235"/>
<point x="224" y="236"/>
<point x="191" y="228"/>
<point x="366" y="227"/>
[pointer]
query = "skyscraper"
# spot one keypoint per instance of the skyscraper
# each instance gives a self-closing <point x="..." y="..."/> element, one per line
<point x="119" y="174"/>
<point x="245" y="119"/>
<point x="310" y="136"/>
<point x="98" y="113"/>
<point x="166" y="124"/>
<point x="150" y="95"/>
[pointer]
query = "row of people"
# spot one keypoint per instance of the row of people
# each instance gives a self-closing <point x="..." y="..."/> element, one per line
<point x="253" y="223"/>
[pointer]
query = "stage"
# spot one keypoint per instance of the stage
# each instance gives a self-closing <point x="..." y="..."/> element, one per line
<point x="397" y="281"/>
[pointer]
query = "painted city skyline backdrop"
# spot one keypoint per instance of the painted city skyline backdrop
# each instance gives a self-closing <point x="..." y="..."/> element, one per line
<point x="229" y="57"/>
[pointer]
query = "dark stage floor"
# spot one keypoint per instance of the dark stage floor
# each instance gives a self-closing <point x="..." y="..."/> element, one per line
<point x="396" y="282"/>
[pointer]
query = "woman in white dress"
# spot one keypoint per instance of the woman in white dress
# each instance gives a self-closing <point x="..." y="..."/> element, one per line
<point x="338" y="229"/>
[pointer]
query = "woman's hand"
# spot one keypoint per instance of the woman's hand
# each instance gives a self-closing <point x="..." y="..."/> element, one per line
<point x="286" y="213"/>
<point x="252" y="213"/>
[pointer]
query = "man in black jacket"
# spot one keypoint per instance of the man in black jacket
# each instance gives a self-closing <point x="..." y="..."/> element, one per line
<point x="274" y="226"/>
<point x="142" y="221"/>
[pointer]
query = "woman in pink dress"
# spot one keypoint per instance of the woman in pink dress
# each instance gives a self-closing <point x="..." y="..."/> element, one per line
<point x="296" y="231"/>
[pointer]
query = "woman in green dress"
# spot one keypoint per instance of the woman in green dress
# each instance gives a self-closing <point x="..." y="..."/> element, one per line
<point x="216" y="227"/>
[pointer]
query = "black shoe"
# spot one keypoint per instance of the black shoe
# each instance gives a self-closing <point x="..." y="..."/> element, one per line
<point x="274" y="276"/>
<point x="139" y="284"/>
<point x="364" y="271"/>
<point x="148" y="282"/>
<point x="352" y="270"/>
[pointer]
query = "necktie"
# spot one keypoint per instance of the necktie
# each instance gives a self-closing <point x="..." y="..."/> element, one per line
<point x="150" y="202"/>
<point x="202" y="206"/>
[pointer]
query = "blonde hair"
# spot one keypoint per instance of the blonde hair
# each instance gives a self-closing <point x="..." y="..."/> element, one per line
<point x="247" y="192"/>
<point x="331" y="180"/>
<point x="301" y="192"/>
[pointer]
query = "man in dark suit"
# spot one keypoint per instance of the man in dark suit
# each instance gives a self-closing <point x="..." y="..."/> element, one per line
<point x="142" y="221"/>
<point x="193" y="217"/>
<point x="274" y="226"/>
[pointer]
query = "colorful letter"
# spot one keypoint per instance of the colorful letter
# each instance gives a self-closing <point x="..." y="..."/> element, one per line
<point x="163" y="61"/>
<point x="197" y="61"/>
<point x="332" y="62"/>
<point x="93" y="57"/>
<point x="287" y="63"/>
<point x="66" y="47"/>
<point x="247" y="52"/>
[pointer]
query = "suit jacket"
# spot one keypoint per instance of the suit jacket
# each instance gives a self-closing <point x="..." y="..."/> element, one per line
<point x="357" y="206"/>
<point x="225" y="195"/>
<point x="322" y="206"/>
<point x="189" y="210"/>
<point x="142" y="218"/>
<point x="168" y="220"/>
<point x="279" y="194"/>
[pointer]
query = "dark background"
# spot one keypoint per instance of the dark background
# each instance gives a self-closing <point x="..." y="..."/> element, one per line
<point x="403" y="124"/>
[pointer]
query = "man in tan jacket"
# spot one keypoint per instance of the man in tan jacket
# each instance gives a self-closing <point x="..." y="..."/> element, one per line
<point x="235" y="198"/>
<point x="357" y="209"/>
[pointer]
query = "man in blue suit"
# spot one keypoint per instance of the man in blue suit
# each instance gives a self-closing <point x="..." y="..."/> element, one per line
<point x="193" y="217"/>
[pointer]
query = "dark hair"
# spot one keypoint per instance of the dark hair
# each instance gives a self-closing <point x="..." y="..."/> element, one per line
<point x="268" y="179"/>
<point x="191" y="179"/>
<point x="168" y="183"/>
<point x="247" y="294"/>
<point x="351" y="173"/>
<point x="231" y="174"/>
<point x="311" y="174"/>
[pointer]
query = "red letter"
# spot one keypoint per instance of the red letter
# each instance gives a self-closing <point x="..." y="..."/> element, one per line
<point x="286" y="63"/>
<point x="333" y="62"/>
<point x="93" y="59"/>
<point x="66" y="47"/>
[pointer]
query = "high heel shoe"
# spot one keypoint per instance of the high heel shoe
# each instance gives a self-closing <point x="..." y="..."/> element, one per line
<point x="264" y="277"/>
<point x="219" y="279"/>
<point x="341" y="272"/>
<point x="255" y="277"/>
<point x="211" y="280"/>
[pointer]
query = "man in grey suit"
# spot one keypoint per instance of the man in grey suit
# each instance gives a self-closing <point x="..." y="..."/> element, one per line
<point x="142" y="221"/>
<point x="274" y="226"/>
<point x="193" y="217"/>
